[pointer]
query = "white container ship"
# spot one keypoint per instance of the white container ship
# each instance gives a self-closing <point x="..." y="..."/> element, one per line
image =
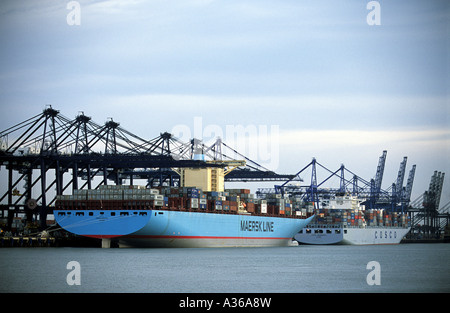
<point x="343" y="220"/>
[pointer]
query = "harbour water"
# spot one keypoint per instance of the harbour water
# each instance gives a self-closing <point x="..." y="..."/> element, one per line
<point x="300" y="269"/>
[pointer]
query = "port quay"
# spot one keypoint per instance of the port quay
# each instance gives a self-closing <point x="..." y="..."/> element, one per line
<point x="50" y="152"/>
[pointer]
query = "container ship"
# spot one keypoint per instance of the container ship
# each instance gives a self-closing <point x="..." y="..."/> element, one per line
<point x="344" y="220"/>
<point x="137" y="216"/>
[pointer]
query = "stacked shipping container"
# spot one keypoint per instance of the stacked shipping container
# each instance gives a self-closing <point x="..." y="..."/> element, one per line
<point x="181" y="198"/>
<point x="362" y="218"/>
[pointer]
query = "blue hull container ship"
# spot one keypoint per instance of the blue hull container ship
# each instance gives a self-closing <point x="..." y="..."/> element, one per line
<point x="178" y="217"/>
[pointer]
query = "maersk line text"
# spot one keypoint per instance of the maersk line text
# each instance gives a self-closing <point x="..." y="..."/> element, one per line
<point x="257" y="226"/>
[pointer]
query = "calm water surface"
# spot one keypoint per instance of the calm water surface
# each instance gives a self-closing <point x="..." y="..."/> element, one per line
<point x="404" y="268"/>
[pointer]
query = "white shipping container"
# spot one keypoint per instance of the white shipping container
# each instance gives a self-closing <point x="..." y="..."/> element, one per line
<point x="194" y="203"/>
<point x="264" y="208"/>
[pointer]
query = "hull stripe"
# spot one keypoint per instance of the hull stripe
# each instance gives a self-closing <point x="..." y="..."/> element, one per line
<point x="102" y="236"/>
<point x="185" y="237"/>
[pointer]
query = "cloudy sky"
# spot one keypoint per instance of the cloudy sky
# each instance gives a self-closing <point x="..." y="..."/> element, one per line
<point x="333" y="86"/>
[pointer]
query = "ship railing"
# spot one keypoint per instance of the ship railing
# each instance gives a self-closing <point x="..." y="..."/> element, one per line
<point x="344" y="225"/>
<point x="316" y="225"/>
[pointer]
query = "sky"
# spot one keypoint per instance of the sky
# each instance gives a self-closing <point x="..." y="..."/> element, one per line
<point x="313" y="76"/>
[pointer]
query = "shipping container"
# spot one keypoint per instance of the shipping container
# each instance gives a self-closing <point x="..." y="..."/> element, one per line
<point x="264" y="208"/>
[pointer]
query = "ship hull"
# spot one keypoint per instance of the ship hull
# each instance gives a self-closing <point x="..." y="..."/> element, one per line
<point x="201" y="242"/>
<point x="180" y="229"/>
<point x="351" y="235"/>
<point x="102" y="223"/>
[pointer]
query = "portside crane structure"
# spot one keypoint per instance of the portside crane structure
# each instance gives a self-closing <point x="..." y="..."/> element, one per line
<point x="49" y="154"/>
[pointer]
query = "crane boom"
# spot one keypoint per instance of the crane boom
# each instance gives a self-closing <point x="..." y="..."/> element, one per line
<point x="400" y="178"/>
<point x="409" y="185"/>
